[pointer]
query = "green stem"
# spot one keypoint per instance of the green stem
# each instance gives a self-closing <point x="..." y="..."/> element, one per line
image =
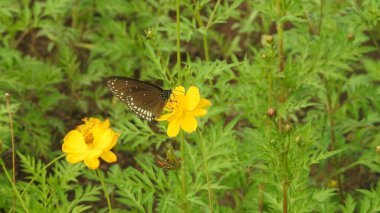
<point x="320" y="18"/>
<point x="204" y="35"/>
<point x="183" y="171"/>
<point x="206" y="172"/>
<point x="261" y="199"/>
<point x="44" y="168"/>
<point x="8" y="97"/>
<point x="270" y="91"/>
<point x="285" y="181"/>
<point x="280" y="32"/>
<point x="101" y="178"/>
<point x="74" y="14"/>
<point x="14" y="187"/>
<point x="178" y="29"/>
<point x="285" y="196"/>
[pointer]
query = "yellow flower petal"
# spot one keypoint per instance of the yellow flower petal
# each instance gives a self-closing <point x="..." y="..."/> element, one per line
<point x="203" y="103"/>
<point x="75" y="158"/>
<point x="95" y="153"/>
<point x="173" y="128"/>
<point x="109" y="156"/>
<point x="114" y="140"/>
<point x="165" y="117"/>
<point x="189" y="124"/>
<point x="179" y="91"/>
<point x="74" y="143"/>
<point x="192" y="98"/>
<point x="106" y="124"/>
<point x="102" y="138"/>
<point x="92" y="163"/>
<point x="198" y="112"/>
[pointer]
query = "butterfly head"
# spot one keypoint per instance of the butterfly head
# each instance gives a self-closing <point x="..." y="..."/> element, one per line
<point x="165" y="95"/>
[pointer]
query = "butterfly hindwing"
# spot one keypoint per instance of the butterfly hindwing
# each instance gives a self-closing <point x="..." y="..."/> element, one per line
<point x="144" y="99"/>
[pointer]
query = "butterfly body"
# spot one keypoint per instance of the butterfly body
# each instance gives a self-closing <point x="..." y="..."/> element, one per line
<point x="144" y="99"/>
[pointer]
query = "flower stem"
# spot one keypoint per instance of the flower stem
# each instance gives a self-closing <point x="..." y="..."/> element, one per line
<point x="320" y="18"/>
<point x="178" y="29"/>
<point x="261" y="200"/>
<point x="8" y="97"/>
<point x="183" y="171"/>
<point x="285" y="187"/>
<point x="280" y="32"/>
<point x="14" y="188"/>
<point x="285" y="181"/>
<point x="101" y="178"/>
<point x="270" y="90"/>
<point x="206" y="173"/>
<point x="44" y="168"/>
<point x="197" y="16"/>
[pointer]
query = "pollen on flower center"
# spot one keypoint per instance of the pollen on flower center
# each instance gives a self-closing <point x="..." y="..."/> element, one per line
<point x="89" y="139"/>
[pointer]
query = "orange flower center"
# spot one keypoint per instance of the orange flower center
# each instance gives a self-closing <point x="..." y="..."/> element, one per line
<point x="88" y="137"/>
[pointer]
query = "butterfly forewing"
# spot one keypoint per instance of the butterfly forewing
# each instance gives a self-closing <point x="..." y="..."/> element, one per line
<point x="144" y="99"/>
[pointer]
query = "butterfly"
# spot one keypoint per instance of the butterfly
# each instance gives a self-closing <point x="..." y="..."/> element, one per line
<point x="144" y="99"/>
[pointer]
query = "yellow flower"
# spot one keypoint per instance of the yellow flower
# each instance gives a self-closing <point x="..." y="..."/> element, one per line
<point x="183" y="108"/>
<point x="89" y="141"/>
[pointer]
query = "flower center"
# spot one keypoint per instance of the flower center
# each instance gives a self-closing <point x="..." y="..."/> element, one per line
<point x="88" y="137"/>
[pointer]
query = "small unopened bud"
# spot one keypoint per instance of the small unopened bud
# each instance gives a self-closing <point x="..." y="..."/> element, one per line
<point x="7" y="95"/>
<point x="288" y="127"/>
<point x="267" y="40"/>
<point x="1" y="146"/>
<point x="149" y="34"/>
<point x="298" y="139"/>
<point x="350" y="36"/>
<point x="263" y="55"/>
<point x="272" y="112"/>
<point x="378" y="149"/>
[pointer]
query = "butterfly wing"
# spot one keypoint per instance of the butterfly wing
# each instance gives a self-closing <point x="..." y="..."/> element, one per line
<point x="144" y="99"/>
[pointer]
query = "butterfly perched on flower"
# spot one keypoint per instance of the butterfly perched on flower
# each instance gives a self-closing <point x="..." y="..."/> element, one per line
<point x="144" y="99"/>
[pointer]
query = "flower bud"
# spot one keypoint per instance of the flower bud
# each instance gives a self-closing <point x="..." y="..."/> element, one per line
<point x="272" y="112"/>
<point x="350" y="36"/>
<point x="288" y="127"/>
<point x="267" y="40"/>
<point x="1" y="146"/>
<point x="298" y="139"/>
<point x="272" y="141"/>
<point x="149" y="34"/>
<point x="378" y="149"/>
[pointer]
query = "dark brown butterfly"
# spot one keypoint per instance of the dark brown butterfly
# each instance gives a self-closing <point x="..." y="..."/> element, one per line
<point x="144" y="99"/>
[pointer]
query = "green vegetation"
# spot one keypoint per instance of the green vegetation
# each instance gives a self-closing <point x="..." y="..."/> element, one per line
<point x="294" y="122"/>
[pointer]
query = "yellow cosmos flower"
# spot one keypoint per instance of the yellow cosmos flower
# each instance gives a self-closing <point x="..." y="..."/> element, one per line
<point x="89" y="141"/>
<point x="183" y="108"/>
